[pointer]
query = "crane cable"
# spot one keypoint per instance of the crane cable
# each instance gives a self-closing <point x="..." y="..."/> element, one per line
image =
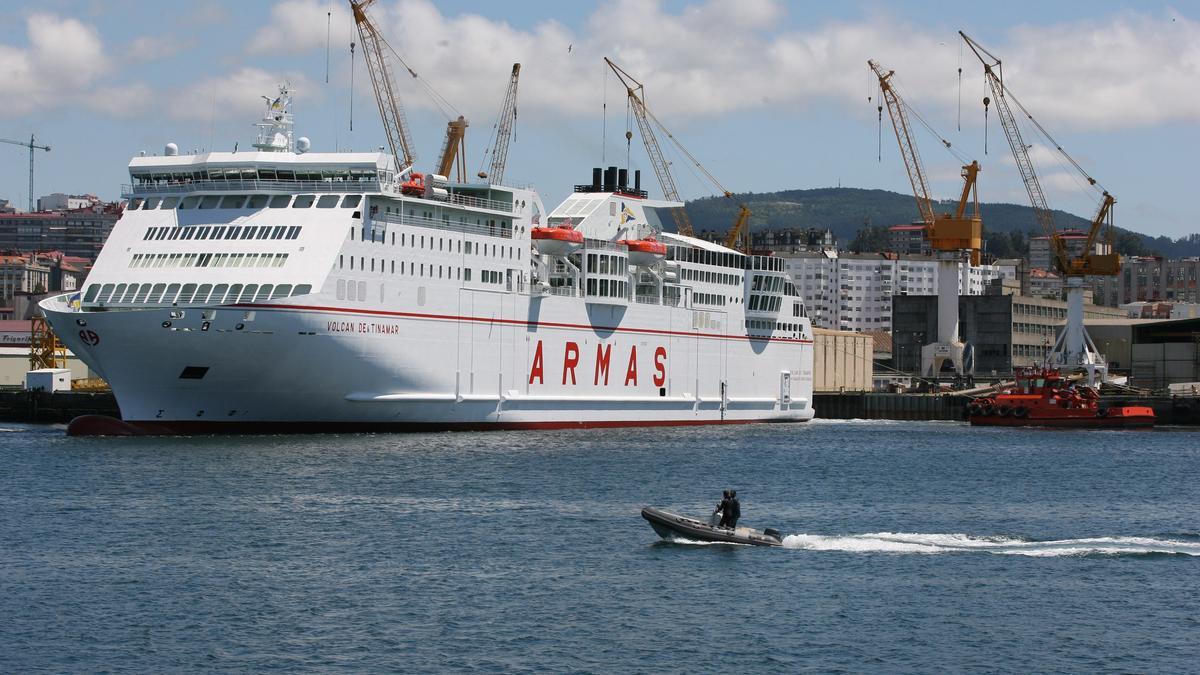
<point x="1046" y="134"/>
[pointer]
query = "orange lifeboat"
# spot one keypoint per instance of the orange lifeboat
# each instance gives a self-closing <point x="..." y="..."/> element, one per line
<point x="557" y="240"/>
<point x="415" y="185"/>
<point x="645" y="251"/>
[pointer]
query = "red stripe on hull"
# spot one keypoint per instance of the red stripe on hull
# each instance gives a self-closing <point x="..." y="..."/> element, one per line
<point x="100" y="425"/>
<point x="513" y="322"/>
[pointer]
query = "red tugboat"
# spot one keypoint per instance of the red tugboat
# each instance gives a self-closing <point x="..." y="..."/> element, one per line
<point x="1042" y="397"/>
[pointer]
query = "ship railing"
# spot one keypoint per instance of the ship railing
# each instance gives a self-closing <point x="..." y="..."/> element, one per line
<point x="647" y="299"/>
<point x="498" y="230"/>
<point x="564" y="291"/>
<point x="601" y="244"/>
<point x="480" y="202"/>
<point x="291" y="186"/>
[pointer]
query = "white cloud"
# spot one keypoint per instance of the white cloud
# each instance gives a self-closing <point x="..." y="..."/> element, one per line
<point x="64" y="58"/>
<point x="297" y="26"/>
<point x="237" y="94"/>
<point x="155" y="47"/>
<point x="133" y="100"/>
<point x="718" y="57"/>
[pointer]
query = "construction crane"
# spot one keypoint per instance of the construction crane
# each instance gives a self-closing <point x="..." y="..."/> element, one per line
<point x="454" y="151"/>
<point x="949" y="235"/>
<point x="646" y="122"/>
<point x="391" y="112"/>
<point x="504" y="130"/>
<point x="32" y="145"/>
<point x="1073" y="348"/>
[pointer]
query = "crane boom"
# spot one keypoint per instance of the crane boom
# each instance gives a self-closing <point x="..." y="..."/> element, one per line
<point x="1089" y="262"/>
<point x="504" y="128"/>
<point x="32" y="145"/>
<point x="455" y="149"/>
<point x="391" y="112"/>
<point x="908" y="149"/>
<point x="646" y="123"/>
<point x="661" y="168"/>
<point x="945" y="232"/>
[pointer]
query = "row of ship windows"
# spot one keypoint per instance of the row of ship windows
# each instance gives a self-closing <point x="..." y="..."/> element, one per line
<point x="443" y="244"/>
<point x="247" y="202"/>
<point x="711" y="277"/>
<point x="121" y="294"/>
<point x="759" y="324"/>
<point x="142" y="260"/>
<point x="606" y="288"/>
<point x="708" y="299"/>
<point x="600" y="263"/>
<point x="223" y="232"/>
<point x="765" y="303"/>
<point x="413" y="269"/>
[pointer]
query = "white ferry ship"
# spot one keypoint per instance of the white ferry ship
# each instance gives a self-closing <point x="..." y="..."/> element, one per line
<point x="287" y="290"/>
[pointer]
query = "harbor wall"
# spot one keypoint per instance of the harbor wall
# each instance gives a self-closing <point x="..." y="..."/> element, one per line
<point x="884" y="406"/>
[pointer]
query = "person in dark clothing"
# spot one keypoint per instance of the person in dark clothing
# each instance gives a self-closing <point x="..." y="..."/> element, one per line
<point x="722" y="509"/>
<point x="733" y="511"/>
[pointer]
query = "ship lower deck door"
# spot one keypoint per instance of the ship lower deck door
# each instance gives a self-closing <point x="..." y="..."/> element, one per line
<point x="785" y="389"/>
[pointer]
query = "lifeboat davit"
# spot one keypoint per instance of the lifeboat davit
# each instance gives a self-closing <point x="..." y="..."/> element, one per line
<point x="645" y="252"/>
<point x="560" y="240"/>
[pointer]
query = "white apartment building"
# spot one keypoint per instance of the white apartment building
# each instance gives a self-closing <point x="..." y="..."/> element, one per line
<point x="853" y="291"/>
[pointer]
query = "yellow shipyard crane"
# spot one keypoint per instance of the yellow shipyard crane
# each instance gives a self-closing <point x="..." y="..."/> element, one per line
<point x="1074" y="349"/>
<point x="949" y="234"/>
<point x="646" y="124"/>
<point x="391" y="112"/>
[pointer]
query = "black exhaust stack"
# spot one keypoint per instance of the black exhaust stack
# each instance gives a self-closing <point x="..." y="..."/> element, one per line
<point x="637" y="180"/>
<point x="622" y="179"/>
<point x="596" y="178"/>
<point x="610" y="179"/>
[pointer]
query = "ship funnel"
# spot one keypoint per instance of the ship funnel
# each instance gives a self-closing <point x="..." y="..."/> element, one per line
<point x="597" y="178"/>
<point x="637" y="180"/>
<point x="622" y="178"/>
<point x="610" y="179"/>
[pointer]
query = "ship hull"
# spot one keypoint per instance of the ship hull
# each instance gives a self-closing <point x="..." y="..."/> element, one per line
<point x="520" y="363"/>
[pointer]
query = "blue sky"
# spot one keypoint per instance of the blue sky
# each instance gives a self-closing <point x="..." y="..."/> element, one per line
<point x="768" y="95"/>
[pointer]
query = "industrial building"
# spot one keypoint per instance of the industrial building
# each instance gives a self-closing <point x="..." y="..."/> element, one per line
<point x="1004" y="328"/>
<point x="1155" y="354"/>
<point x="1150" y="279"/>
<point x="855" y="291"/>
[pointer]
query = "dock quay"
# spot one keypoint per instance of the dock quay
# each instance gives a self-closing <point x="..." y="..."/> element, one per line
<point x="40" y="407"/>
<point x="890" y="406"/>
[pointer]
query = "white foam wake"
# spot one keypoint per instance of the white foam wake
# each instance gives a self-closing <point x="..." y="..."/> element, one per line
<point x="904" y="542"/>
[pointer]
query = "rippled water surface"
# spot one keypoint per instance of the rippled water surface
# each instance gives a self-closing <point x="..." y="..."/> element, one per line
<point x="911" y="546"/>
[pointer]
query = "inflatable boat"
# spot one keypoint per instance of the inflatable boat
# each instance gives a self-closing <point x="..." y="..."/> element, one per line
<point x="672" y="526"/>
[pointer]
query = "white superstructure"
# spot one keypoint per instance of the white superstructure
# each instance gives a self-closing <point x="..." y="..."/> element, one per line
<point x="293" y="290"/>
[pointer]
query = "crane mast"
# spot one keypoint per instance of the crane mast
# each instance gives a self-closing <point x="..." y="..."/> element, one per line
<point x="504" y="129"/>
<point x="32" y="145"/>
<point x="949" y="235"/>
<point x="391" y="112"/>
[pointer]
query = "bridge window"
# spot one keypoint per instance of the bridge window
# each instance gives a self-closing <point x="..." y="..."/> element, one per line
<point x="189" y="202"/>
<point x="351" y="201"/>
<point x="210" y="201"/>
<point x="170" y="202"/>
<point x="233" y="201"/>
<point x="280" y="201"/>
<point x="257" y="201"/>
<point x="303" y="201"/>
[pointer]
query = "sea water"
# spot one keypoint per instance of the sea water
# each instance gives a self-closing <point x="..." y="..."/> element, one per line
<point x="909" y="547"/>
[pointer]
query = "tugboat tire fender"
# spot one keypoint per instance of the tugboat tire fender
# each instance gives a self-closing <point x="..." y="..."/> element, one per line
<point x="1003" y="411"/>
<point x="1021" y="411"/>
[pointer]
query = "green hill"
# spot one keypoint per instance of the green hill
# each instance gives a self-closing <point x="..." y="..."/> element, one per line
<point x="846" y="210"/>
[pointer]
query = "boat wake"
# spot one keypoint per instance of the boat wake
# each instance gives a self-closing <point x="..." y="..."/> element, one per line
<point x="903" y="542"/>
